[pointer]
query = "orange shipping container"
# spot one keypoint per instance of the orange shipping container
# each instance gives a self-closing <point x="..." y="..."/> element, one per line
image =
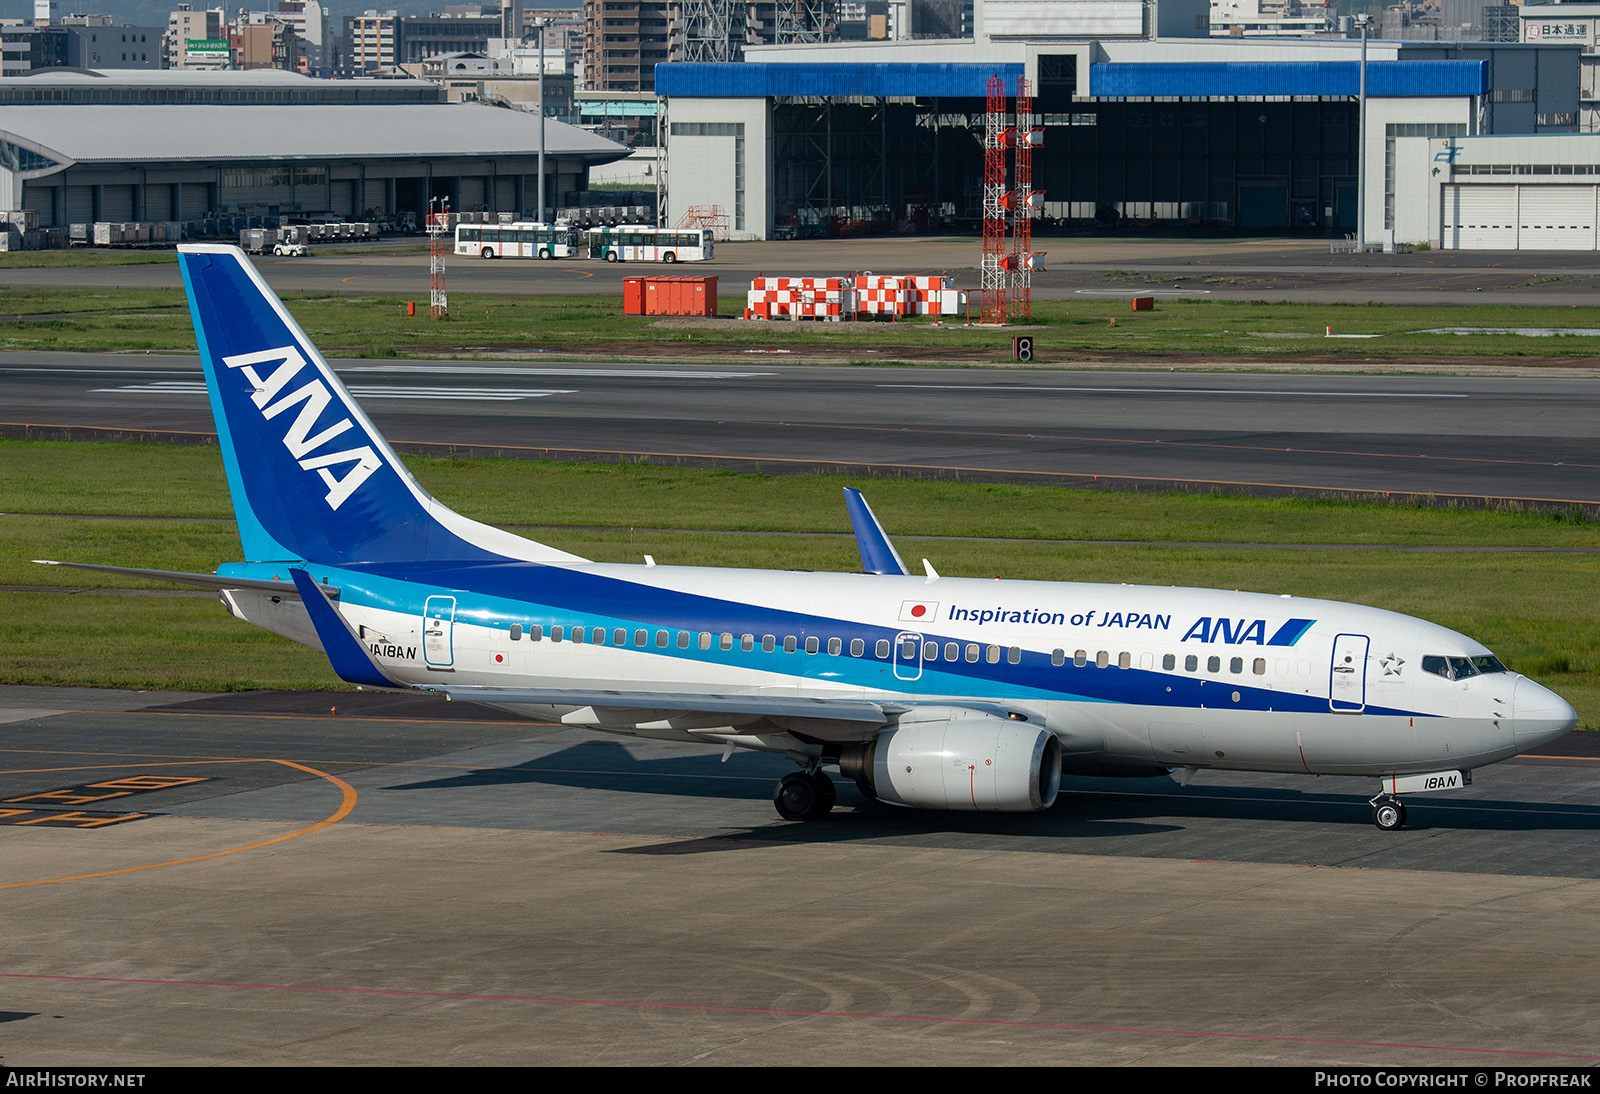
<point x="633" y="296"/>
<point x="672" y="296"/>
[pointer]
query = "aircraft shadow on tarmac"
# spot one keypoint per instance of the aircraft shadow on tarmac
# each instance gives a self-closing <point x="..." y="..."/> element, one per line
<point x="1086" y="808"/>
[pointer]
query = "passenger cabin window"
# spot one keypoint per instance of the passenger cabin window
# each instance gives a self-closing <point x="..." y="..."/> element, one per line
<point x="1058" y="657"/>
<point x="1169" y="661"/>
<point x="516" y="632"/>
<point x="858" y="646"/>
<point x="881" y="648"/>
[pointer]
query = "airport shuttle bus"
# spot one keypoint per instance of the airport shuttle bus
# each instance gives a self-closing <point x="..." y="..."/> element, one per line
<point x="642" y="243"/>
<point x="520" y="240"/>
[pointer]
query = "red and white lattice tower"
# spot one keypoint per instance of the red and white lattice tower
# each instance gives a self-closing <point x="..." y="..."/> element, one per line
<point x="441" y="241"/>
<point x="1026" y="204"/>
<point x="993" y="272"/>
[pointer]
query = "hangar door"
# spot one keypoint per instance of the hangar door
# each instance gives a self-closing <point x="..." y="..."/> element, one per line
<point x="1519" y="216"/>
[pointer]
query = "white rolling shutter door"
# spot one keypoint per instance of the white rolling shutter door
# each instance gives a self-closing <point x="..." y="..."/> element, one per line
<point x="1480" y="218"/>
<point x="1556" y="218"/>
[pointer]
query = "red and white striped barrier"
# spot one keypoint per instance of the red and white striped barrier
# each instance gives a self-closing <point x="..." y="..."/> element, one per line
<point x="798" y="298"/>
<point x="865" y="296"/>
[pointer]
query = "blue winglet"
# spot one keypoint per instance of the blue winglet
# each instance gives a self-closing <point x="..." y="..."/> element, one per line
<point x="344" y="651"/>
<point x="878" y="555"/>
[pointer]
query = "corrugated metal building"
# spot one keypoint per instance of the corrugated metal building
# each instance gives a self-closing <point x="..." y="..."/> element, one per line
<point x="74" y="162"/>
<point x="1252" y="134"/>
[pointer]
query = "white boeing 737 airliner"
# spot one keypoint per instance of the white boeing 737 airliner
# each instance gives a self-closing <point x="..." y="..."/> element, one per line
<point x="928" y="691"/>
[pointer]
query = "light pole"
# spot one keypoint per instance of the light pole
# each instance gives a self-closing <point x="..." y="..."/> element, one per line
<point x="1362" y="20"/>
<point x="540" y="25"/>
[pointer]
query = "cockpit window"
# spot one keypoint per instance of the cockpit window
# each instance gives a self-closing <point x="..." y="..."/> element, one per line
<point x="1459" y="668"/>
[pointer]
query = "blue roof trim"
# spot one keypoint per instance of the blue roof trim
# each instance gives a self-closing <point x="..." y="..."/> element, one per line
<point x="755" y="80"/>
<point x="1258" y="79"/>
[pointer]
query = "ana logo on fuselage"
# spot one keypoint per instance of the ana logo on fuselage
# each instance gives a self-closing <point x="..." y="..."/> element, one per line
<point x="314" y="398"/>
<point x="1238" y="632"/>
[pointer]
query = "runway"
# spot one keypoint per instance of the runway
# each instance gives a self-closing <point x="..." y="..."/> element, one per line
<point x="1532" y="438"/>
<point x="406" y="882"/>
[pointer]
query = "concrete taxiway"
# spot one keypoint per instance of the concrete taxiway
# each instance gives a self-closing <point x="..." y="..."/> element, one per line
<point x="1221" y="268"/>
<point x="263" y="879"/>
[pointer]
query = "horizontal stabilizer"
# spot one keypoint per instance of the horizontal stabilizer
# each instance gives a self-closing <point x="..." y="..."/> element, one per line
<point x="205" y="581"/>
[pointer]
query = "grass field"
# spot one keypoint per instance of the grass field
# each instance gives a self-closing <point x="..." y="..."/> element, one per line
<point x="74" y="502"/>
<point x="1190" y="331"/>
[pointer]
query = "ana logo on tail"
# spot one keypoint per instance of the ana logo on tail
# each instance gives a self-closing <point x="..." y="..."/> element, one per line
<point x="314" y="398"/>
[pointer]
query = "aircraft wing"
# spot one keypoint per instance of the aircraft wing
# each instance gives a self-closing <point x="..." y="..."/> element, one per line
<point x="771" y="706"/>
<point x="207" y="581"/>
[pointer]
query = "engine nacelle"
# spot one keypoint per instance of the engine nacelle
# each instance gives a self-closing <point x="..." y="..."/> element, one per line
<point x="967" y="761"/>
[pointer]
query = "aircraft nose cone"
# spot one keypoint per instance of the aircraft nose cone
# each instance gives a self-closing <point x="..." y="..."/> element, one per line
<point x="1539" y="715"/>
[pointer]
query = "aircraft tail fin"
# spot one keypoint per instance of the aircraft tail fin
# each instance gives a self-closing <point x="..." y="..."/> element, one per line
<point x="310" y="475"/>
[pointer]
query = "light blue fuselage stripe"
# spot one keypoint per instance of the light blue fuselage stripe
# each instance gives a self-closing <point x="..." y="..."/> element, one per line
<point x="1034" y="678"/>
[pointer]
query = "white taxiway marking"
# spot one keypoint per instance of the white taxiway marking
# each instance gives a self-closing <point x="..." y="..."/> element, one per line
<point x="1188" y="391"/>
<point x="369" y="391"/>
<point x="1143" y="292"/>
<point x="489" y="370"/>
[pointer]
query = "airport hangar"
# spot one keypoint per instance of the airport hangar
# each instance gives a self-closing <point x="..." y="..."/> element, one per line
<point x="1146" y="120"/>
<point x="182" y="145"/>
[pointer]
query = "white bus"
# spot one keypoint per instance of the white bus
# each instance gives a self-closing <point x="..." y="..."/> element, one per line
<point x="521" y="240"/>
<point x="642" y="243"/>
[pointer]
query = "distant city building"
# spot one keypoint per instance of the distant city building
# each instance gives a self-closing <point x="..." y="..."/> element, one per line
<point x="44" y="13"/>
<point x="1268" y="19"/>
<point x="370" y="40"/>
<point x="267" y="43"/>
<point x="419" y="37"/>
<point x="1576" y="24"/>
<point x="198" y="39"/>
<point x="623" y="41"/>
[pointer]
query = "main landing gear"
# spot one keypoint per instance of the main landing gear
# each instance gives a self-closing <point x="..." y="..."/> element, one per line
<point x="804" y="796"/>
<point x="1387" y="813"/>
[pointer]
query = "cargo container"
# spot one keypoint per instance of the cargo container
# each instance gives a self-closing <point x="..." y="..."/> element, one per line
<point x="669" y="296"/>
